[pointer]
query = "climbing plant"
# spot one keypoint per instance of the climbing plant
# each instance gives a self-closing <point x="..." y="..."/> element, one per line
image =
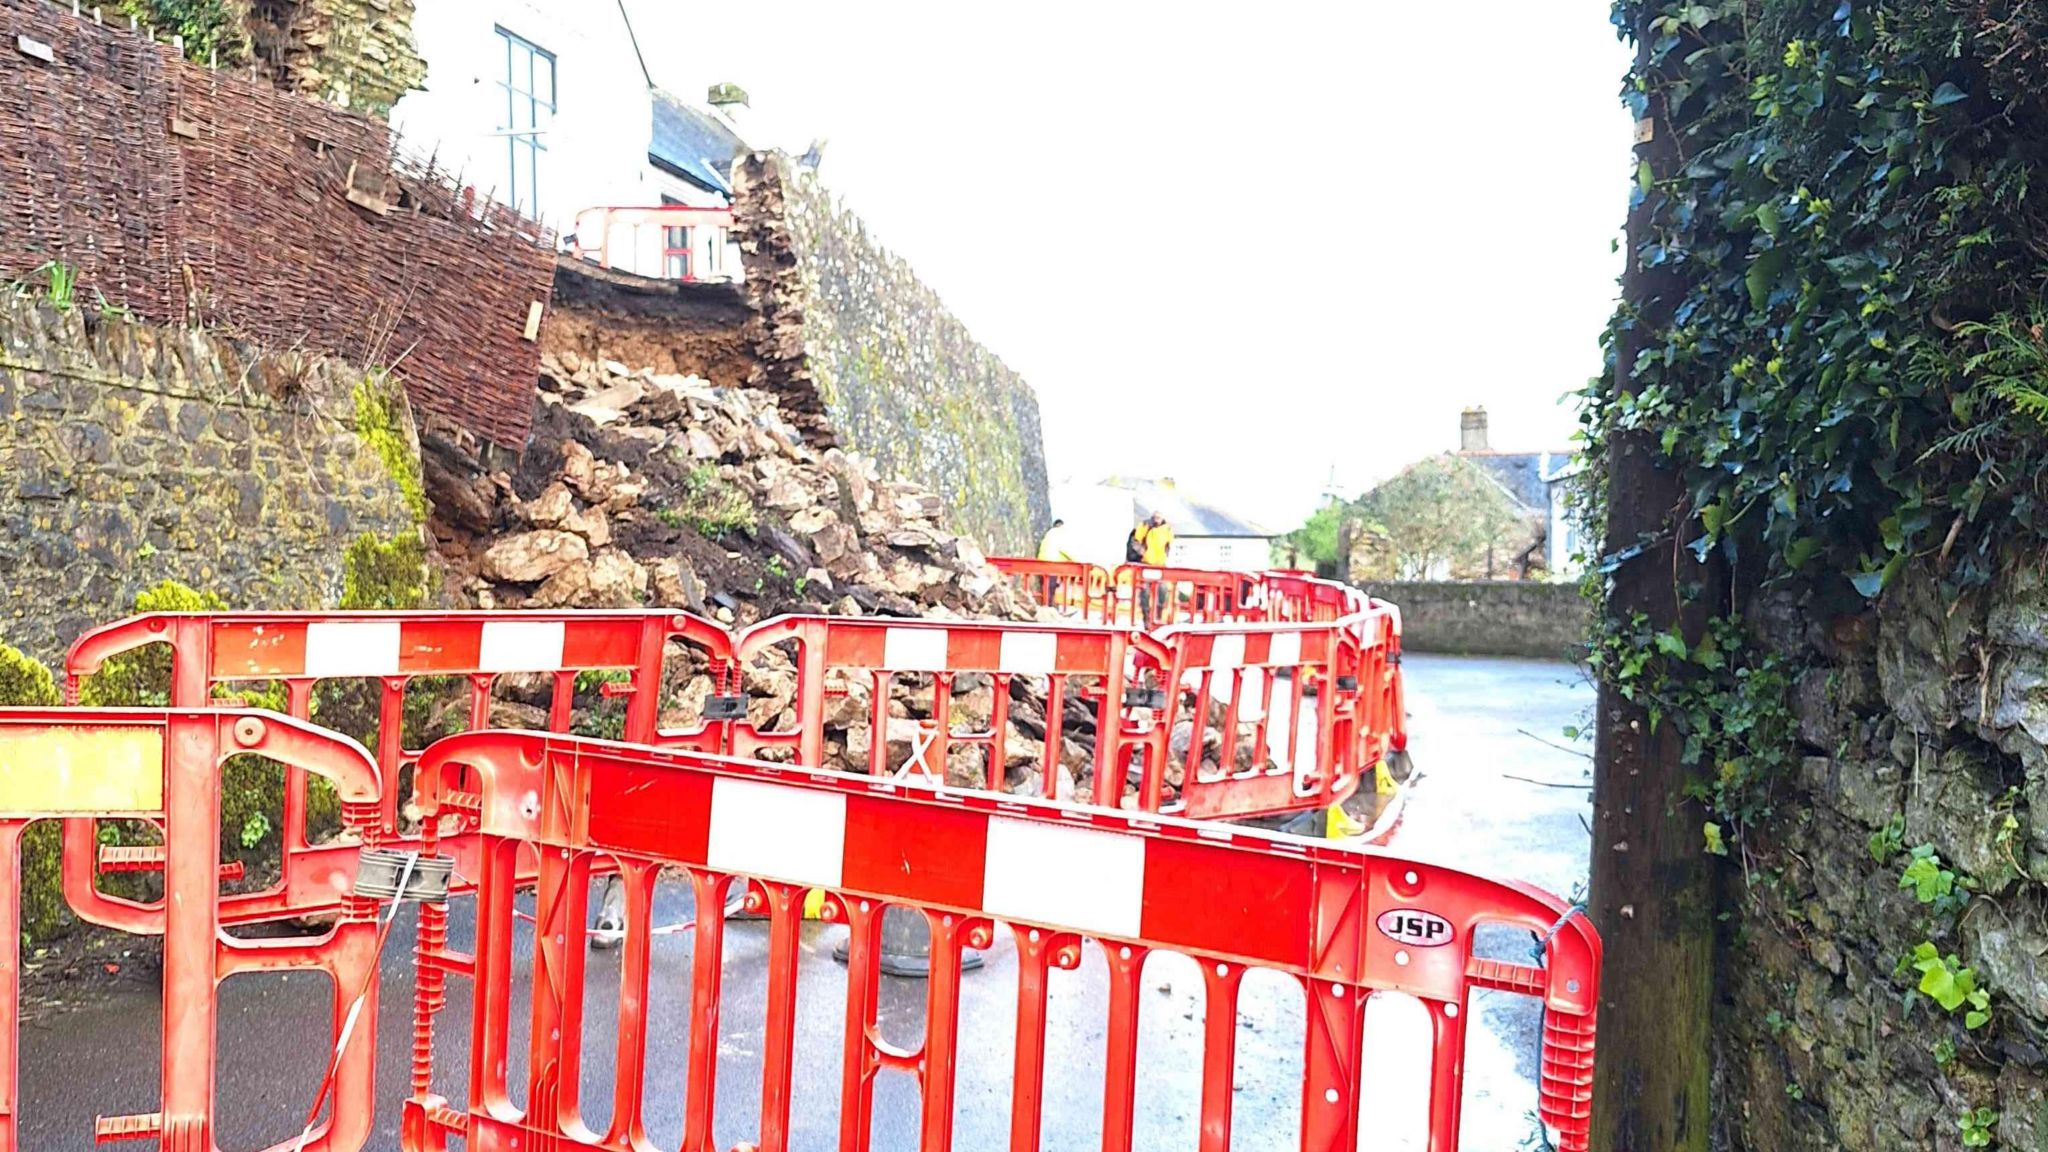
<point x="1837" y="342"/>
<point x="1854" y="373"/>
<point x="212" y="30"/>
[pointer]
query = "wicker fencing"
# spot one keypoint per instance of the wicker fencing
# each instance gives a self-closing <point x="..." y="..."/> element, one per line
<point x="189" y="194"/>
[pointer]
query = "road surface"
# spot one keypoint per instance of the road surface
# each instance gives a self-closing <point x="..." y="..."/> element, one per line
<point x="1467" y="725"/>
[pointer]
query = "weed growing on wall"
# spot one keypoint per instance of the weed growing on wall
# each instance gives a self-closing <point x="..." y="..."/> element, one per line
<point x="212" y="29"/>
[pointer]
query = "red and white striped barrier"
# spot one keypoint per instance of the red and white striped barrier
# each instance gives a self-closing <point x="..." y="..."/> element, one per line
<point x="212" y="653"/>
<point x="1345" y="923"/>
<point x="877" y="651"/>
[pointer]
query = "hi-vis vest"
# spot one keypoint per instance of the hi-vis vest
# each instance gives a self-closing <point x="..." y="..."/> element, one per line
<point x="1157" y="541"/>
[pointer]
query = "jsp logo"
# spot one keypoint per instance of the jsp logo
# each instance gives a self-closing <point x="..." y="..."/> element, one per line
<point x="1415" y="926"/>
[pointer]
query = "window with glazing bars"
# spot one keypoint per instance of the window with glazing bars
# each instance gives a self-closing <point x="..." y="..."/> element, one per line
<point x="529" y="107"/>
<point x="676" y="251"/>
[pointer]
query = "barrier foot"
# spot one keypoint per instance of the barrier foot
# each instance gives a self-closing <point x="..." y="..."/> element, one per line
<point x="907" y="947"/>
<point x="1383" y="780"/>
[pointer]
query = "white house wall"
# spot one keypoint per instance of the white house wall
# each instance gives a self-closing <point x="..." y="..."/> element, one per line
<point x="597" y="141"/>
<point x="1099" y="520"/>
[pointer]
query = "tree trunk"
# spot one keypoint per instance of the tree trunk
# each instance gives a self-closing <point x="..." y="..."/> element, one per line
<point x="1653" y="885"/>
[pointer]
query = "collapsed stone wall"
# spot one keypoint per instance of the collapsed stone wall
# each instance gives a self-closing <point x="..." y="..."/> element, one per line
<point x="641" y="487"/>
<point x="668" y="327"/>
<point x="131" y="454"/>
<point x="1922" y="723"/>
<point x="855" y="345"/>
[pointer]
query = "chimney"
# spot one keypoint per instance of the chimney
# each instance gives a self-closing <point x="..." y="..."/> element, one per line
<point x="1472" y="430"/>
<point x="728" y="100"/>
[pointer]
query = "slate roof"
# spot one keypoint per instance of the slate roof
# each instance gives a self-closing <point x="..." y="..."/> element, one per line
<point x="1526" y="476"/>
<point x="1187" y="517"/>
<point x="693" y="145"/>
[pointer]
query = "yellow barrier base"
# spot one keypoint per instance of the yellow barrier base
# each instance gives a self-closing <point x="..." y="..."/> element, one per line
<point x="814" y="903"/>
<point x="1383" y="780"/>
<point x="1340" y="825"/>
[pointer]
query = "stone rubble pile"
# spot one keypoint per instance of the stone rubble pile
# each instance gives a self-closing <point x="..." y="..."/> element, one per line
<point x="640" y="489"/>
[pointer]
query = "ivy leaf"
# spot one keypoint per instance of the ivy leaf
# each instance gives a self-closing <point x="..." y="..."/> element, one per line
<point x="1927" y="878"/>
<point x="1673" y="645"/>
<point x="1715" y="844"/>
<point x="1763" y="276"/>
<point x="1708" y="654"/>
<point x="1800" y="550"/>
<point x="1948" y="94"/>
<point x="1939" y="984"/>
<point x="1868" y="584"/>
<point x="1974" y="1019"/>
<point x="1768" y="218"/>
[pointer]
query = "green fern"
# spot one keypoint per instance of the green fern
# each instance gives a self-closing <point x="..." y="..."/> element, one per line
<point x="2026" y="399"/>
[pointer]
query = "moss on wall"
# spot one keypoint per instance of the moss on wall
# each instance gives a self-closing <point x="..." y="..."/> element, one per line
<point x="385" y="425"/>
<point x="388" y="573"/>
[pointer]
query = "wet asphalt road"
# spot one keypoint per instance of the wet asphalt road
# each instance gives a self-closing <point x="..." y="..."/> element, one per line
<point x="101" y="1059"/>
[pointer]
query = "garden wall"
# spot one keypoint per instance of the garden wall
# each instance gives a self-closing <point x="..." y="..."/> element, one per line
<point x="1530" y="618"/>
<point x="131" y="454"/>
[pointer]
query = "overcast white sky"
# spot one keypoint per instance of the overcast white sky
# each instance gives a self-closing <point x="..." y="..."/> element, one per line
<point x="1235" y="245"/>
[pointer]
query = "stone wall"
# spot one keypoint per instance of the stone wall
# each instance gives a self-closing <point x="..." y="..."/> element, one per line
<point x="1922" y="723"/>
<point x="354" y="54"/>
<point x="130" y="454"/>
<point x="1529" y="618"/>
<point x="854" y="343"/>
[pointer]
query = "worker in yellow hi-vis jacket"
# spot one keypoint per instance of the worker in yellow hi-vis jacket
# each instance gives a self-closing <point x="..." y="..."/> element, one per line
<point x="1053" y="545"/>
<point x="1154" y="542"/>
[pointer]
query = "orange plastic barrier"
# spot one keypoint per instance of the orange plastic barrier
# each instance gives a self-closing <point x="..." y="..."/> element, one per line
<point x="1120" y="672"/>
<point x="1344" y="923"/>
<point x="1066" y="585"/>
<point x="1176" y="595"/>
<point x="879" y="650"/>
<point x="164" y="766"/>
<point x="1245" y="666"/>
<point x="215" y="651"/>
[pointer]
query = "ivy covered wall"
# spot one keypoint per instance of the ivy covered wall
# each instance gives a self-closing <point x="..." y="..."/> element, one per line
<point x="863" y="351"/>
<point x="1834" y="325"/>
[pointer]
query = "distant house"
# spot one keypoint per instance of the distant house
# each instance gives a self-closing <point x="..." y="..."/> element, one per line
<point x="1537" y="483"/>
<point x="547" y="107"/>
<point x="1099" y="517"/>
